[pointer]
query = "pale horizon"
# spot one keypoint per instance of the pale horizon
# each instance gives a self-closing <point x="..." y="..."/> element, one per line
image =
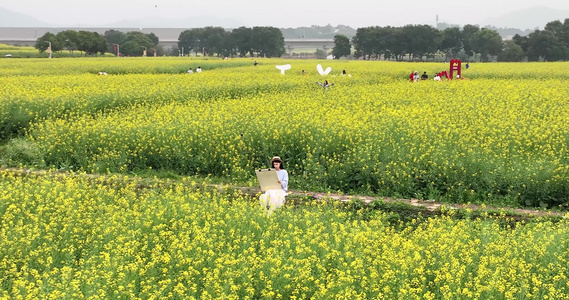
<point x="295" y="13"/>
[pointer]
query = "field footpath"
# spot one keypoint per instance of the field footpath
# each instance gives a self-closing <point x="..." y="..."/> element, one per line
<point x="429" y="205"/>
<point x="432" y="205"/>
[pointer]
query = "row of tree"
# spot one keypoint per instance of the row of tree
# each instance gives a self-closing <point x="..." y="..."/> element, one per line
<point x="419" y="41"/>
<point x="550" y="44"/>
<point x="414" y="41"/>
<point x="260" y="41"/>
<point x="88" y="42"/>
<point x="242" y="41"/>
<point x="132" y="43"/>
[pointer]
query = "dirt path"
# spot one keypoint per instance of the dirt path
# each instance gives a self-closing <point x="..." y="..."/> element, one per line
<point x="432" y="205"/>
<point x="429" y="205"/>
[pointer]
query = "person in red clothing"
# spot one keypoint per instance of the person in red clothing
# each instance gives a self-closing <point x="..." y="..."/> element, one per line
<point x="411" y="76"/>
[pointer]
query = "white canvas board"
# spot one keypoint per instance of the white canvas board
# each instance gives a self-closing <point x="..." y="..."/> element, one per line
<point x="268" y="179"/>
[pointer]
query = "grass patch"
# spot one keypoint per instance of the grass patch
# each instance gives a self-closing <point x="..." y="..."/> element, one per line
<point x="20" y="152"/>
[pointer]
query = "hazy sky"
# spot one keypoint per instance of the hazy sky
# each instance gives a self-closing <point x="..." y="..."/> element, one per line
<point x="290" y="13"/>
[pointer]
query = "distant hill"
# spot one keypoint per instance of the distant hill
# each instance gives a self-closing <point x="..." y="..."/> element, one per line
<point x="505" y="33"/>
<point x="318" y="32"/>
<point x="508" y="33"/>
<point x="10" y="18"/>
<point x="531" y="18"/>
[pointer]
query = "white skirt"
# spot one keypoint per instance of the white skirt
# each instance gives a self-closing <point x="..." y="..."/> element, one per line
<point x="273" y="199"/>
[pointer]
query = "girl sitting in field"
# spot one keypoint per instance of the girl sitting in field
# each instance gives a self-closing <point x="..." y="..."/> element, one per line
<point x="273" y="199"/>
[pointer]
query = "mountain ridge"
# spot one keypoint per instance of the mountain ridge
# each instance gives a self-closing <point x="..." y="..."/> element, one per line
<point x="535" y="17"/>
<point x="9" y="18"/>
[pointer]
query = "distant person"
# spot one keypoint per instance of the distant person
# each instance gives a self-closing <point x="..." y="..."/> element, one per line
<point x="325" y="84"/>
<point x="411" y="76"/>
<point x="467" y="65"/>
<point x="255" y="63"/>
<point x="190" y="71"/>
<point x="303" y="72"/>
<point x="199" y="70"/>
<point x="416" y="76"/>
<point x="424" y="76"/>
<point x="344" y="72"/>
<point x="437" y="77"/>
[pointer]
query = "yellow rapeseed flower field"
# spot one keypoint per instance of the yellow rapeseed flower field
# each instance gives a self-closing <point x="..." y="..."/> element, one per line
<point x="498" y="136"/>
<point x="77" y="238"/>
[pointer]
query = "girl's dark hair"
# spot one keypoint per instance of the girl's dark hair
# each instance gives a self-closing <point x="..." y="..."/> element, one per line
<point x="276" y="160"/>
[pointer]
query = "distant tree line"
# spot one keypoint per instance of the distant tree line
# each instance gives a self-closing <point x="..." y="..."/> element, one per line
<point x="133" y="43"/>
<point x="418" y="41"/>
<point x="92" y="43"/>
<point x="242" y="41"/>
<point x="550" y="44"/>
<point x="424" y="41"/>
<point x="413" y="42"/>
